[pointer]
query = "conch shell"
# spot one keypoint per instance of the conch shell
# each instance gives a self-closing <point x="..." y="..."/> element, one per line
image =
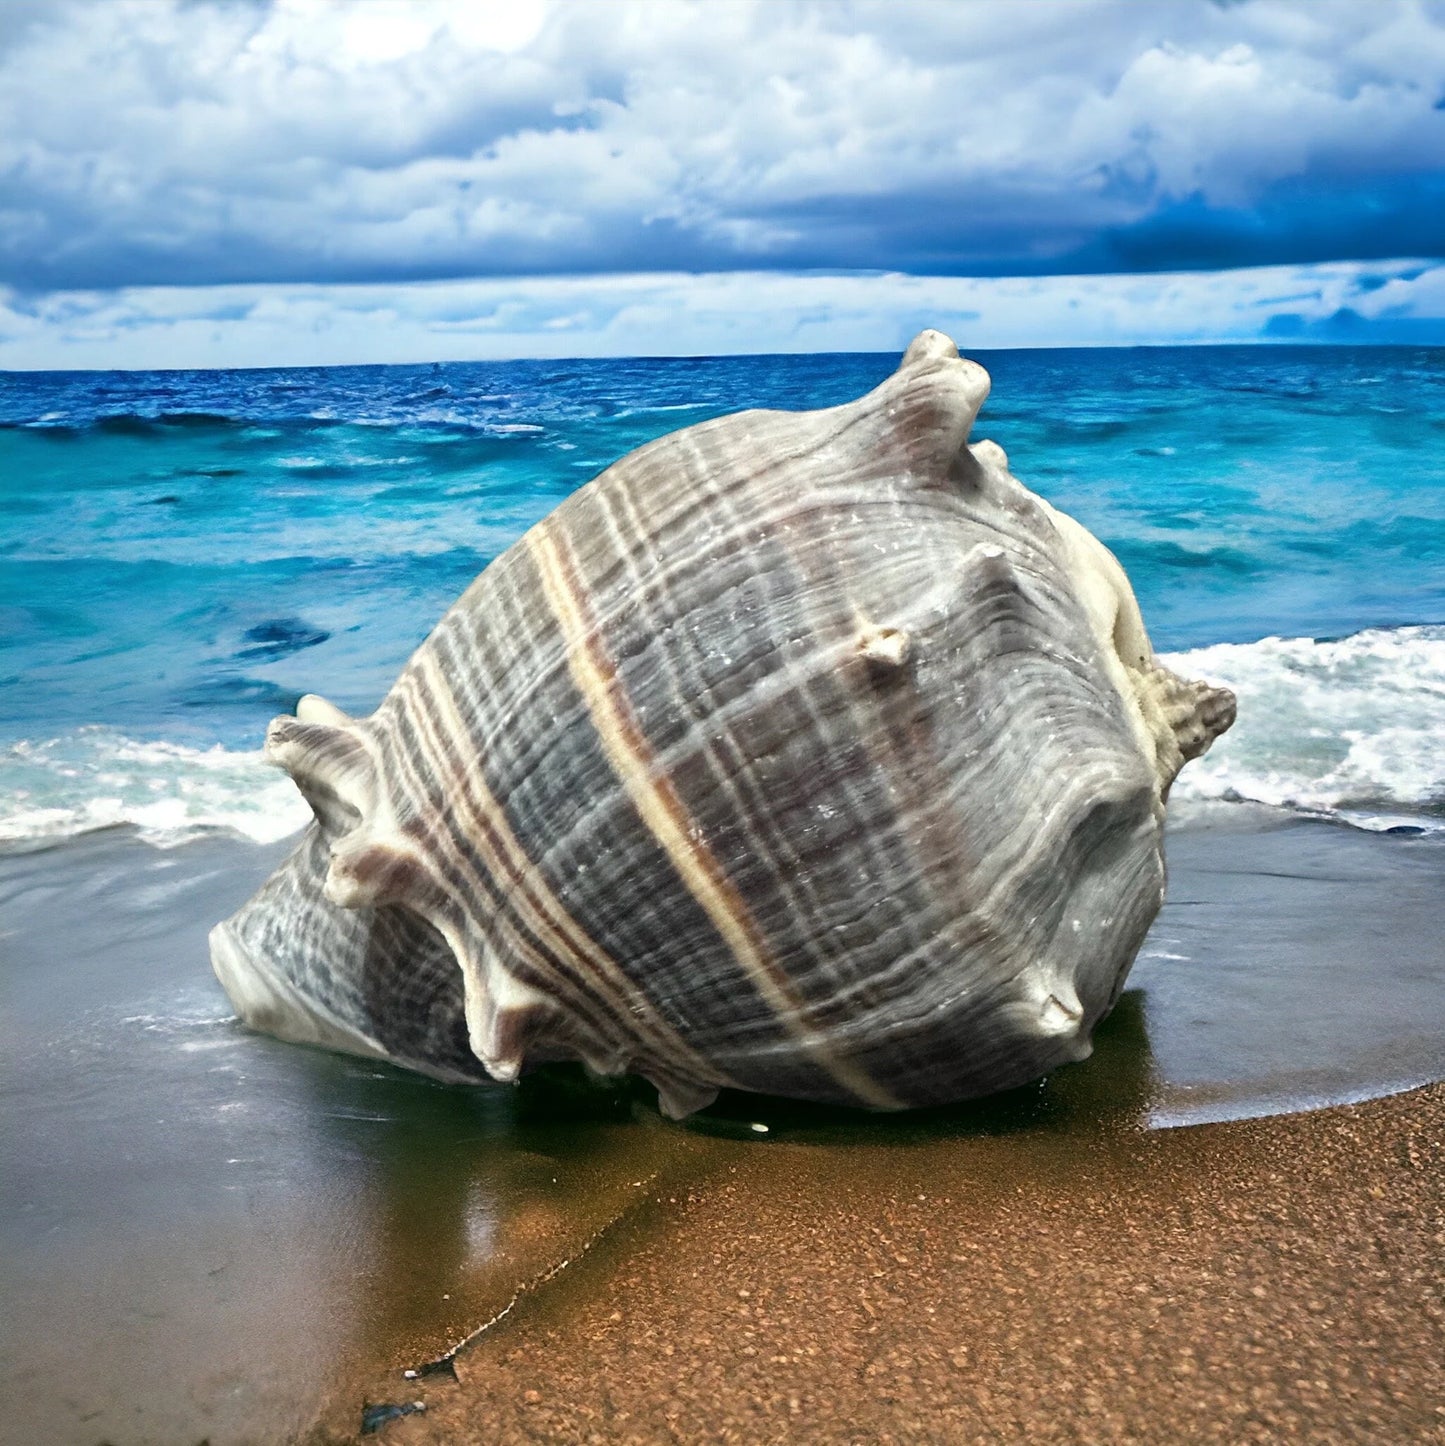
<point x="806" y="753"/>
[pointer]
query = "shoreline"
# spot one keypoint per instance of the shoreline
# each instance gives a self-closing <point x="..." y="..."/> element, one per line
<point x="211" y="1234"/>
<point x="1262" y="1280"/>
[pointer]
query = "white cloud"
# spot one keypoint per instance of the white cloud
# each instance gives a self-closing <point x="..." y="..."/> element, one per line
<point x="676" y="314"/>
<point x="150" y="140"/>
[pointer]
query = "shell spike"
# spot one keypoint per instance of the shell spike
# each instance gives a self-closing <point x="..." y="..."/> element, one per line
<point x="1061" y="1012"/>
<point x="505" y="1017"/>
<point x="366" y="873"/>
<point x="1193" y="715"/>
<point x="677" y="1098"/>
<point x="930" y="402"/>
<point x="329" y="762"/>
<point x="313" y="708"/>
<point x="885" y="648"/>
<point x="1059" y="1019"/>
<point x="927" y="347"/>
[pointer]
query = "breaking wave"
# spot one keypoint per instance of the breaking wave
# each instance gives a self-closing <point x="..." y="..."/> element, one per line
<point x="97" y="778"/>
<point x="1353" y="728"/>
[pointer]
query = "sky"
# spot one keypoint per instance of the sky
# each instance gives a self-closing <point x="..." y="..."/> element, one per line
<point x="282" y="182"/>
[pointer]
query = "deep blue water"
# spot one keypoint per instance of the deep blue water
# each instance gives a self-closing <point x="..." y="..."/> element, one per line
<point x="183" y="553"/>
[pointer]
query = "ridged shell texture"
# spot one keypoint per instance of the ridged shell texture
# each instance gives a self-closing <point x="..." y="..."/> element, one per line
<point x="807" y="753"/>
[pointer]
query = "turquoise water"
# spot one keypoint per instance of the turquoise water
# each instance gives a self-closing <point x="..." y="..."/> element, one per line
<point x="183" y="553"/>
<point x="221" y="1228"/>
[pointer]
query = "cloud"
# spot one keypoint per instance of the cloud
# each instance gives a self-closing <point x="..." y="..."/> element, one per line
<point x="150" y="142"/>
<point x="724" y="312"/>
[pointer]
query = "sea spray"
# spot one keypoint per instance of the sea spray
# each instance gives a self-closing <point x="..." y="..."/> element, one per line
<point x="96" y="778"/>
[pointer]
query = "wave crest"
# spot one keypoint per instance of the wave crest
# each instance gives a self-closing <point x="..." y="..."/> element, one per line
<point x="98" y="778"/>
<point x="1353" y="727"/>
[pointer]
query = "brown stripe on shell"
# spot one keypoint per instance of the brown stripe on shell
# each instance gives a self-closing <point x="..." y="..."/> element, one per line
<point x="574" y="956"/>
<point x="519" y="990"/>
<point x="507" y="667"/>
<point x="814" y="923"/>
<point x="655" y="798"/>
<point x="396" y="852"/>
<point x="626" y="1031"/>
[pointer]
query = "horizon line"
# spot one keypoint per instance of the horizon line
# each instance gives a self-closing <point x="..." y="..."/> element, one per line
<point x="1202" y="343"/>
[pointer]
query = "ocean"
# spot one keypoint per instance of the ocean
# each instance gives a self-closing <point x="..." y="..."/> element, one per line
<point x="236" y="1237"/>
<point x="182" y="554"/>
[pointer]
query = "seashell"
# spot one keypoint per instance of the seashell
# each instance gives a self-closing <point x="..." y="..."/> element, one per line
<point x="807" y="753"/>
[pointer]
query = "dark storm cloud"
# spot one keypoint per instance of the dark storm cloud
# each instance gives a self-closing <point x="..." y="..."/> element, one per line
<point x="148" y="143"/>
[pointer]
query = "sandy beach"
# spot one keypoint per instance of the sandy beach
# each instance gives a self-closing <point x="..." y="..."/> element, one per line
<point x="208" y="1234"/>
<point x="1265" y="1280"/>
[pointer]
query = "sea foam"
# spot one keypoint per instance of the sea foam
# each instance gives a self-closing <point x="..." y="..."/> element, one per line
<point x="1353" y="727"/>
<point x="97" y="778"/>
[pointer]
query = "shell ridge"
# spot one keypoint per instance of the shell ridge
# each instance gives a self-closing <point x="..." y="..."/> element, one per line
<point x="832" y="579"/>
<point x="1022" y="994"/>
<point x="411" y="990"/>
<point x="520" y="888"/>
<point x="493" y="990"/>
<point x="276" y="958"/>
<point x="795" y="513"/>
<point x="988" y="572"/>
<point x="660" y="1054"/>
<point x="662" y="811"/>
<point x="729" y="768"/>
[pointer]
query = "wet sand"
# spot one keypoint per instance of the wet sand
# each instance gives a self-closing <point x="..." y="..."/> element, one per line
<point x="206" y="1234"/>
<point x="1274" y="1280"/>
